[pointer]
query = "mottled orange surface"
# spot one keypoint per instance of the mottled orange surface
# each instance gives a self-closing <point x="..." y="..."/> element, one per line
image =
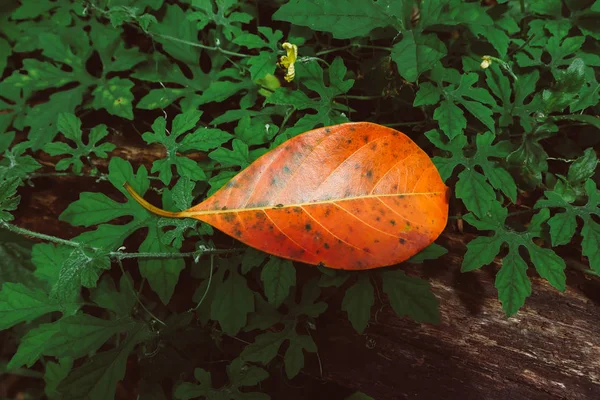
<point x="350" y="196"/>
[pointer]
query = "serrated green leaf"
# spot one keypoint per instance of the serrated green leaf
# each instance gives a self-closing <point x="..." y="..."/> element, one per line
<point x="20" y="304"/>
<point x="239" y="156"/>
<point x="121" y="301"/>
<point x="513" y="283"/>
<point x="97" y="379"/>
<point x="262" y="65"/>
<point x="428" y="94"/>
<point x="278" y="276"/>
<point x="344" y="19"/>
<point x="358" y="301"/>
<point x="73" y="337"/>
<point x="411" y="297"/>
<point x="451" y="118"/>
<point x="232" y="303"/>
<point x="9" y="200"/>
<point x="417" y="53"/>
<point x="472" y="188"/>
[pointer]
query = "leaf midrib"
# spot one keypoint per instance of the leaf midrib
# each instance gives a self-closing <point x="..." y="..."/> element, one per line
<point x="270" y="207"/>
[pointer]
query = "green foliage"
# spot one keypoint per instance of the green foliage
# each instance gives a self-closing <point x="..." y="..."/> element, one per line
<point x="187" y="93"/>
<point x="70" y="126"/>
<point x="239" y="375"/>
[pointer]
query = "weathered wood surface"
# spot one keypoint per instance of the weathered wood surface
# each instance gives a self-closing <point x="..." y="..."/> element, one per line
<point x="549" y="350"/>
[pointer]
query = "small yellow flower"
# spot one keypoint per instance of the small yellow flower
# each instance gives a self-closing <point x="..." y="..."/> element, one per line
<point x="287" y="61"/>
<point x="487" y="61"/>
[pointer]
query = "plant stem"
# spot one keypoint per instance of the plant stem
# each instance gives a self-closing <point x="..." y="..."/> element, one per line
<point x="27" y="232"/>
<point x="116" y="255"/>
<point x="349" y="46"/>
<point x="201" y="46"/>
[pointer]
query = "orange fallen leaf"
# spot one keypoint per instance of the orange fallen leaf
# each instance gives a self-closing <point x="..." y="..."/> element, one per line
<point x="351" y="196"/>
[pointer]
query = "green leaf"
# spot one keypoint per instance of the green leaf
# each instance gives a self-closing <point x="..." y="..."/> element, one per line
<point x="411" y="297"/>
<point x="115" y="97"/>
<point x="583" y="168"/>
<point x="43" y="117"/>
<point x="55" y="373"/>
<point x="451" y="118"/>
<point x="82" y="268"/>
<point x="472" y="188"/>
<point x="344" y="19"/>
<point x="96" y="208"/>
<point x="204" y="139"/>
<point x="428" y="94"/>
<point x="239" y="156"/>
<point x="278" y="276"/>
<point x="512" y="281"/>
<point x="120" y="301"/>
<point x="70" y="126"/>
<point x="563" y="225"/>
<point x="9" y="200"/>
<point x="358" y="301"/>
<point x="232" y="303"/>
<point x="19" y="303"/>
<point x="240" y="375"/>
<point x="262" y="65"/>
<point x="417" y="53"/>
<point x="431" y="252"/>
<point x="73" y="337"/>
<point x="15" y="259"/>
<point x="97" y="379"/>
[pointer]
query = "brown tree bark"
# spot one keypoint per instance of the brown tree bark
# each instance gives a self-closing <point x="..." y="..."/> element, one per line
<point x="549" y="350"/>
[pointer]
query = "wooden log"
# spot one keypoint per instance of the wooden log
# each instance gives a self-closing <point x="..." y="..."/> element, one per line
<point x="549" y="350"/>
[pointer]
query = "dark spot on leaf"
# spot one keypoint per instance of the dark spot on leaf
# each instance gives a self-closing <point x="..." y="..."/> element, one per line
<point x="378" y="219"/>
<point x="327" y="212"/>
<point x="327" y="130"/>
<point x="366" y="138"/>
<point x="258" y="214"/>
<point x="286" y="169"/>
<point x="318" y="252"/>
<point x="352" y="129"/>
<point x="392" y="222"/>
<point x="386" y="144"/>
<point x="356" y="166"/>
<point x="228" y="217"/>
<point x="237" y="233"/>
<point x="374" y="146"/>
<point x="348" y="141"/>
<point x="402" y="241"/>
<point x="326" y="245"/>
<point x="273" y="181"/>
<point x="308" y="227"/>
<point x="223" y="208"/>
<point x="366" y="250"/>
<point x="376" y="241"/>
<point x="279" y="206"/>
<point x="369" y="173"/>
